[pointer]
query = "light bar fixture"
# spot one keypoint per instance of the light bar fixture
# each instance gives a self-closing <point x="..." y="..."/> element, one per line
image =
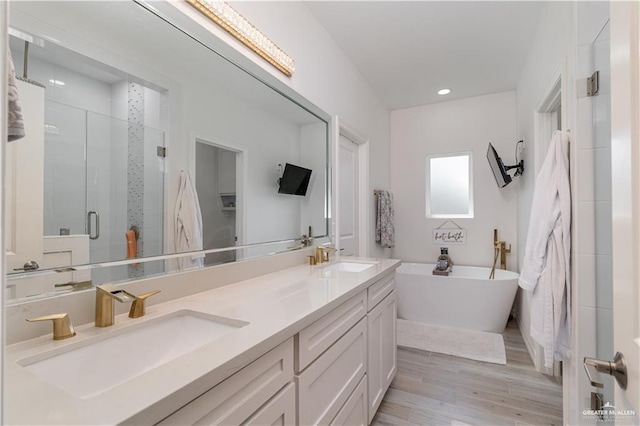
<point x="235" y="24"/>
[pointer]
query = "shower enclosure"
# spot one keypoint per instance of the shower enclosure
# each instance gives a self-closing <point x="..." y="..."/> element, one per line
<point x="103" y="176"/>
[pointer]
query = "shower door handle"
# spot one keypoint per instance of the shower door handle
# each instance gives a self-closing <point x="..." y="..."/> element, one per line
<point x="89" y="227"/>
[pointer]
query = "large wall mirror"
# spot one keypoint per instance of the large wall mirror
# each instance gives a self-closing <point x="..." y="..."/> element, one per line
<point x="120" y="101"/>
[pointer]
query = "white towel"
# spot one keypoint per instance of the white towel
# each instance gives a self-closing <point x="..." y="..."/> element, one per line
<point x="385" y="231"/>
<point x="188" y="224"/>
<point x="546" y="269"/>
<point x="15" y="124"/>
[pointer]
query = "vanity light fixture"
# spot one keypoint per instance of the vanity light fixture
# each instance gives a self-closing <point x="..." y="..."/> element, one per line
<point x="58" y="83"/>
<point x="237" y="25"/>
<point x="443" y="92"/>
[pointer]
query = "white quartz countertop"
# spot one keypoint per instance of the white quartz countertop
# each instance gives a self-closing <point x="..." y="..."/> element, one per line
<point x="276" y="306"/>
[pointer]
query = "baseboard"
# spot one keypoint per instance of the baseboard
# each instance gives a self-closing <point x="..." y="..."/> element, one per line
<point x="538" y="360"/>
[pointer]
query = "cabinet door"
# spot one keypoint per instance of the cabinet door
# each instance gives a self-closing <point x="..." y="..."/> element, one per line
<point x="326" y="384"/>
<point x="280" y="410"/>
<point x="354" y="411"/>
<point x="382" y="350"/>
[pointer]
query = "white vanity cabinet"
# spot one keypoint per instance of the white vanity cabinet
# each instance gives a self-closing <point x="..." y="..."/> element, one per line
<point x="381" y="353"/>
<point x="346" y="360"/>
<point x="260" y="393"/>
<point x="331" y="357"/>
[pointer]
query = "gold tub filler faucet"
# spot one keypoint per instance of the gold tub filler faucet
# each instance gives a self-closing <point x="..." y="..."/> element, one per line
<point x="499" y="249"/>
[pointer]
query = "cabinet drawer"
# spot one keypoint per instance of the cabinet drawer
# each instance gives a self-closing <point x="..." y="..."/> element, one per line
<point x="354" y="411"/>
<point x="379" y="290"/>
<point x="280" y="410"/>
<point x="325" y="385"/>
<point x="235" y="399"/>
<point x="315" y="339"/>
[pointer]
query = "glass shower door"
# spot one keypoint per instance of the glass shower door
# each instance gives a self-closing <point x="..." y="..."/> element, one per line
<point x="125" y="195"/>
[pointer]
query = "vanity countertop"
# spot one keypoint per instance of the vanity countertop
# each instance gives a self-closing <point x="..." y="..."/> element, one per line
<point x="277" y="306"/>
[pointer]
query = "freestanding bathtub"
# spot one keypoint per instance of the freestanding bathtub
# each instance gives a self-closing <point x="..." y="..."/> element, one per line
<point x="467" y="298"/>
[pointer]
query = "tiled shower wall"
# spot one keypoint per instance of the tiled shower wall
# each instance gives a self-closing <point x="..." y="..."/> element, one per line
<point x="135" y="169"/>
<point x="594" y="197"/>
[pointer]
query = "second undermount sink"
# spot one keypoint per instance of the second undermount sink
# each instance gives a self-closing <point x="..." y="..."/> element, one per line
<point x="349" y="266"/>
<point x="96" y="365"/>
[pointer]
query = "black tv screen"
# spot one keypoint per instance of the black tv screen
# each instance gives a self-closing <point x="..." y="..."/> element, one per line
<point x="295" y="180"/>
<point x="497" y="167"/>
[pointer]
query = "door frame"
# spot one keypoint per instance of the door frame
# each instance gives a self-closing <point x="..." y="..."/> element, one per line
<point x="242" y="173"/>
<point x="341" y="128"/>
<point x="4" y="25"/>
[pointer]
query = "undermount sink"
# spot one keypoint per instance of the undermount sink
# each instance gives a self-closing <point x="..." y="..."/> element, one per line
<point x="349" y="266"/>
<point x="96" y="365"/>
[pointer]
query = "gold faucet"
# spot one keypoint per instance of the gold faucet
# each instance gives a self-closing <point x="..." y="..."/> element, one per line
<point x="500" y="247"/>
<point x="105" y="295"/>
<point x="62" y="327"/>
<point x="322" y="253"/>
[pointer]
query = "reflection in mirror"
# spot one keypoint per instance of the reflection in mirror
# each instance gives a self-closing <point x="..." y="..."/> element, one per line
<point x="449" y="186"/>
<point x="126" y="102"/>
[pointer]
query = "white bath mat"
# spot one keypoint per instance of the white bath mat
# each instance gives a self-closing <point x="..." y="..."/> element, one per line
<point x="478" y="345"/>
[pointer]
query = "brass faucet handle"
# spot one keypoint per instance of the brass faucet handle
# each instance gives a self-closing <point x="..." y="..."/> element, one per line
<point x="505" y="249"/>
<point x="138" y="306"/>
<point x="312" y="260"/>
<point x="62" y="327"/>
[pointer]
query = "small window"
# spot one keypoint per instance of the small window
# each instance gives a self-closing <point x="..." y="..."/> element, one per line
<point x="449" y="186"/>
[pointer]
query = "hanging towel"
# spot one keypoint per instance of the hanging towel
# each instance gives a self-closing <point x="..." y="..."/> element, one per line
<point x="546" y="270"/>
<point x="385" y="232"/>
<point x="15" y="124"/>
<point x="188" y="225"/>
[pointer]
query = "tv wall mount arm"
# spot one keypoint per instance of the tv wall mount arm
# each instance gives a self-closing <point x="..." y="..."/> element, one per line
<point x="520" y="164"/>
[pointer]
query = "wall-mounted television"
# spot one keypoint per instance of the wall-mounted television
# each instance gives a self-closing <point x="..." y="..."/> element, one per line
<point x="294" y="180"/>
<point x="497" y="167"/>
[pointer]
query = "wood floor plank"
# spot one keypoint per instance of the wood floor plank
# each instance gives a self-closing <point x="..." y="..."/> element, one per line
<point x="437" y="389"/>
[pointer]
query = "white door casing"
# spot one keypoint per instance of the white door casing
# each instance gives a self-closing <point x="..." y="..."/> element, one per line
<point x="625" y="158"/>
<point x="348" y="194"/>
<point x="364" y="194"/>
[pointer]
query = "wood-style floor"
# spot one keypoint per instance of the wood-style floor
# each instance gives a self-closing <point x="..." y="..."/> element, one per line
<point x="436" y="389"/>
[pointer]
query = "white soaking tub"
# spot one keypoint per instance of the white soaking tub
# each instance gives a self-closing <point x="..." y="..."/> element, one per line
<point x="467" y="298"/>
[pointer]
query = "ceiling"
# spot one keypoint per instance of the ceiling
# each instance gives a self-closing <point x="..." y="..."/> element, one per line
<point x="408" y="50"/>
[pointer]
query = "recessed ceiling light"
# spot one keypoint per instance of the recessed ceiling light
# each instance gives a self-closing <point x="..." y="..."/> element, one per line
<point x="444" y="91"/>
<point x="56" y="82"/>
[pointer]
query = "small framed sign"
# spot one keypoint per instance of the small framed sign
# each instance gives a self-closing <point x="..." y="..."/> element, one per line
<point x="449" y="236"/>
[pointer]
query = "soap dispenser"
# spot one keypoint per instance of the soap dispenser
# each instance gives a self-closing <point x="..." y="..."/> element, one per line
<point x="444" y="260"/>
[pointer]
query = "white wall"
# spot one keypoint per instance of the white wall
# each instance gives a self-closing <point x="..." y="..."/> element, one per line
<point x="550" y="50"/>
<point x="448" y="127"/>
